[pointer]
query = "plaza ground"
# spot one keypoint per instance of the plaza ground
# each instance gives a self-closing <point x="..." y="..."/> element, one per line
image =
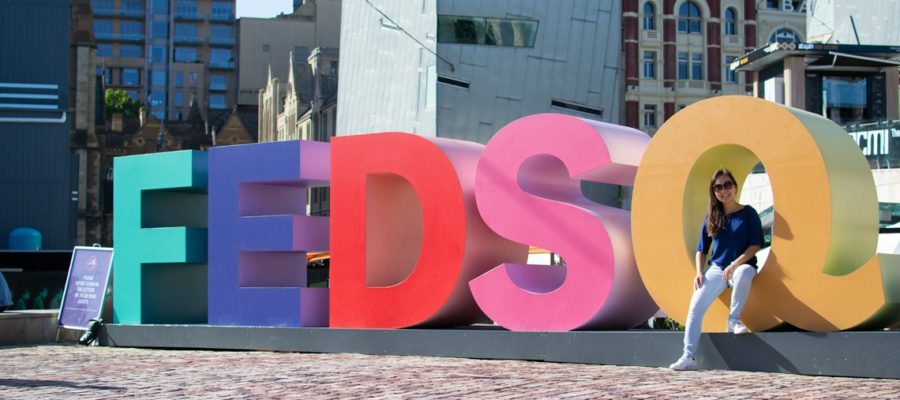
<point x="70" y="371"/>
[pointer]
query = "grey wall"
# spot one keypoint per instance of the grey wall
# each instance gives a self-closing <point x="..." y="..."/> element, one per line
<point x="575" y="59"/>
<point x="384" y="74"/>
<point x="35" y="161"/>
<point x="876" y="21"/>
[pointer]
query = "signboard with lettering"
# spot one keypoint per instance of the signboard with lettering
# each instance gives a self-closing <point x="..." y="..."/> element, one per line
<point x="85" y="286"/>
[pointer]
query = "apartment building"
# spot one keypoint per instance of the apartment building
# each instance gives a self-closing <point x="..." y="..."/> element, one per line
<point x="168" y="53"/>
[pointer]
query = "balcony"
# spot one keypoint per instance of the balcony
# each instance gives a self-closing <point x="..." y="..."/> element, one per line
<point x="221" y="65"/>
<point x="222" y="17"/>
<point x="221" y="41"/>
<point x="195" y="40"/>
<point x="186" y="16"/>
<point x="119" y="37"/>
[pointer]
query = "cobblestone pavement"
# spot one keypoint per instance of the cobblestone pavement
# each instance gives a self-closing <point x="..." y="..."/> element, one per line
<point x="68" y="371"/>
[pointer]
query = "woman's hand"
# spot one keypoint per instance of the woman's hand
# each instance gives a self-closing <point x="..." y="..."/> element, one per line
<point x="726" y="274"/>
<point x="698" y="280"/>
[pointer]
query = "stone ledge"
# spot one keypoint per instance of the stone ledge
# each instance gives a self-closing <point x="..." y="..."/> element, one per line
<point x="32" y="326"/>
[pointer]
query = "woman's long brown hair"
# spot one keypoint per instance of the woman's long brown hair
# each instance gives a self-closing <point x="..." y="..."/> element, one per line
<point x="715" y="211"/>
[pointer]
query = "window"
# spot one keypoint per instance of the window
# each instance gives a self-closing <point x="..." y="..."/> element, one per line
<point x="334" y="67"/>
<point x="220" y="55"/>
<point x="185" y="54"/>
<point x="683" y="67"/>
<point x="160" y="6"/>
<point x="131" y="76"/>
<point x="179" y="79"/>
<point x="104" y="50"/>
<point x="486" y="31"/>
<point x="133" y="94"/>
<point x="130" y="51"/>
<point x="730" y="76"/>
<point x="157" y="98"/>
<point x="130" y="27"/>
<point x="221" y="31"/>
<point x="217" y="82"/>
<point x="217" y="101"/>
<point x="697" y="67"/>
<point x="784" y="35"/>
<point x="221" y="10"/>
<point x="649" y="17"/>
<point x="102" y="26"/>
<point x="186" y="7"/>
<point x="846" y="98"/>
<point x="102" y="4"/>
<point x="689" y="18"/>
<point x="133" y="5"/>
<point x="650" y="115"/>
<point x="158" y="78"/>
<point x="160" y="30"/>
<point x="193" y="77"/>
<point x="158" y="54"/>
<point x="106" y="73"/>
<point x="649" y="65"/>
<point x="772" y="4"/>
<point x="730" y="22"/>
<point x="179" y="99"/>
<point x="185" y="30"/>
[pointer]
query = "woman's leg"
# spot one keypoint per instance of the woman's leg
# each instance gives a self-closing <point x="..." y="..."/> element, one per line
<point x="741" y="280"/>
<point x="712" y="287"/>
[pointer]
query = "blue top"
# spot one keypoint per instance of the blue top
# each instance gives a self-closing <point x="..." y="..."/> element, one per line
<point x="742" y="230"/>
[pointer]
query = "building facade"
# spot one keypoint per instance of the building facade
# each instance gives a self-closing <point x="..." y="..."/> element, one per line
<point x="168" y="53"/>
<point x="873" y="22"/>
<point x="265" y="42"/>
<point x="678" y="52"/>
<point x="38" y="182"/>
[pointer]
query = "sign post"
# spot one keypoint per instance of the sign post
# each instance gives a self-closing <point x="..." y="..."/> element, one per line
<point x="85" y="289"/>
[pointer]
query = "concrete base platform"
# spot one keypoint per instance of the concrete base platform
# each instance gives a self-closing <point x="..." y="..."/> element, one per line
<point x="854" y="354"/>
<point x="32" y="326"/>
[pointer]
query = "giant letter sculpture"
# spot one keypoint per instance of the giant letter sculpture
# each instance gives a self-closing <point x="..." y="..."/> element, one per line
<point x="259" y="234"/>
<point x="528" y="189"/>
<point x="821" y="274"/>
<point x="407" y="237"/>
<point x="160" y="235"/>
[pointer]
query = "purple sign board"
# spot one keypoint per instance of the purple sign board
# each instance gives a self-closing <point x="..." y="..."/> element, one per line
<point x="85" y="286"/>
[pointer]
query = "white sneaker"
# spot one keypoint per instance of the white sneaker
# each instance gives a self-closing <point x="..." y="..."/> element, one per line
<point x="684" y="363"/>
<point x="737" y="327"/>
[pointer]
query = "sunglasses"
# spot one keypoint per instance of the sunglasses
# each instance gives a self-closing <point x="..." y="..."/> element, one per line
<point x="723" y="186"/>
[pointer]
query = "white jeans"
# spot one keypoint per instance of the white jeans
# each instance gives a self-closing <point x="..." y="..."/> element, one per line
<point x="713" y="285"/>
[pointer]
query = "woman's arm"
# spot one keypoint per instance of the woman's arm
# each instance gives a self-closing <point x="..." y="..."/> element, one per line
<point x="700" y="263"/>
<point x="741" y="259"/>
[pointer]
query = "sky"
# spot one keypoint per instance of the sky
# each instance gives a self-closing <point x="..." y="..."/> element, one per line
<point x="263" y="8"/>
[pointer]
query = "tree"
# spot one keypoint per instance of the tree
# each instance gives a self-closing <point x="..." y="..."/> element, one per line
<point x="117" y="101"/>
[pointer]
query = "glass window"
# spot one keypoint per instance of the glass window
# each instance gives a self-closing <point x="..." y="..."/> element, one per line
<point x="730" y="76"/>
<point x="179" y="99"/>
<point x="160" y="6"/>
<point x="130" y="51"/>
<point x="845" y="98"/>
<point x="220" y="55"/>
<point x="217" y="101"/>
<point x="221" y="31"/>
<point x="784" y="35"/>
<point x="133" y="94"/>
<point x="158" y="78"/>
<point x="697" y="67"/>
<point x="689" y="18"/>
<point x="222" y="10"/>
<point x="102" y="4"/>
<point x="193" y="77"/>
<point x="131" y="76"/>
<point x="772" y="4"/>
<point x="730" y="22"/>
<point x="650" y="115"/>
<point x="104" y="50"/>
<point x="334" y="67"/>
<point x="185" y="30"/>
<point x="488" y="31"/>
<point x="650" y="65"/>
<point x="160" y="114"/>
<point x="106" y="73"/>
<point x="160" y="30"/>
<point x="185" y="54"/>
<point x="133" y="5"/>
<point x="649" y="17"/>
<point x="103" y="26"/>
<point x="179" y="79"/>
<point x="130" y="27"/>
<point x="683" y="66"/>
<point x="217" y="82"/>
<point x="157" y="98"/>
<point x="186" y="7"/>
<point x="158" y="54"/>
